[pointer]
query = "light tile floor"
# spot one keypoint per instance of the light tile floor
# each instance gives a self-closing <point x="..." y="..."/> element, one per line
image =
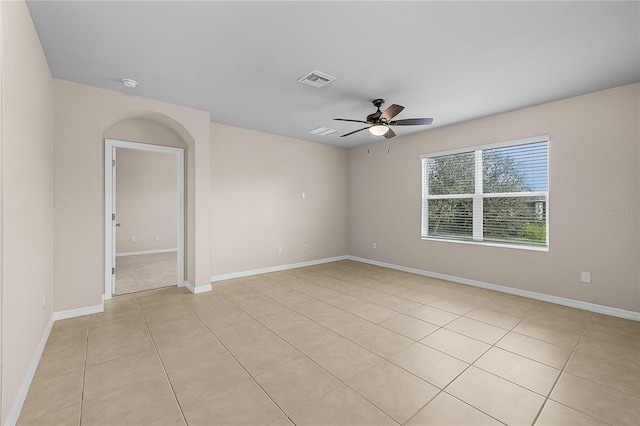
<point x="343" y="343"/>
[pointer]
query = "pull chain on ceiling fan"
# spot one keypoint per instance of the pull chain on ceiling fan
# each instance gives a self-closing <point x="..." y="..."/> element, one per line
<point x="380" y="121"/>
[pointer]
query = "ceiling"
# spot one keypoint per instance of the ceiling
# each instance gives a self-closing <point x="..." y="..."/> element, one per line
<point x="241" y="61"/>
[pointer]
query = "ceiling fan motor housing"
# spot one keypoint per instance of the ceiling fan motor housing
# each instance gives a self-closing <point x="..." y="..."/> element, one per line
<point x="375" y="117"/>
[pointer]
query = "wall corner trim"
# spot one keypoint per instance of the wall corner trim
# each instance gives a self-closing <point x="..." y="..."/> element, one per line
<point x="197" y="289"/>
<point x="278" y="268"/>
<point x="572" y="303"/>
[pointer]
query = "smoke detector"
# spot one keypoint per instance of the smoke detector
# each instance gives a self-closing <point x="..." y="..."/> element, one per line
<point x="316" y="79"/>
<point x="129" y="83"/>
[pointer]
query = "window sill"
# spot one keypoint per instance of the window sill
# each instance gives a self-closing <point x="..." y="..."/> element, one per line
<point x="490" y="244"/>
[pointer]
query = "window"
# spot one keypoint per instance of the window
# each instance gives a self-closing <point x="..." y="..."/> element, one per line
<point x="496" y="194"/>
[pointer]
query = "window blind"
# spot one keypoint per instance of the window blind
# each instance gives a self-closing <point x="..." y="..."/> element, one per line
<point x="496" y="195"/>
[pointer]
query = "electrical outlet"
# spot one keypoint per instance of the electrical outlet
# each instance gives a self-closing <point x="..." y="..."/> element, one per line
<point x="585" y="277"/>
<point x="374" y="246"/>
<point x="156" y="237"/>
<point x="304" y="195"/>
<point x="133" y="239"/>
<point x="306" y="246"/>
<point x="279" y="250"/>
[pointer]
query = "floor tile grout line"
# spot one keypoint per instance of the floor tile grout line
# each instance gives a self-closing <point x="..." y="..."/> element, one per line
<point x="322" y="285"/>
<point x="538" y="309"/>
<point x="532" y="312"/>
<point x="637" y="397"/>
<point x="479" y="357"/>
<point x="388" y="358"/>
<point x="562" y="370"/>
<point x="330" y="373"/>
<point x="573" y="352"/>
<point x="348" y="312"/>
<point x="242" y="366"/>
<point x="62" y="374"/>
<point x="441" y="391"/>
<point x="472" y="364"/>
<point x="422" y="304"/>
<point x="469" y="367"/>
<point x="416" y="289"/>
<point x="164" y="370"/>
<point x="84" y="369"/>
<point x="382" y="359"/>
<point x="309" y="318"/>
<point x="494" y="345"/>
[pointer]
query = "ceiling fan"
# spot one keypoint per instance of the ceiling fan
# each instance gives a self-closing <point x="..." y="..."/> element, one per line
<point x="380" y="121"/>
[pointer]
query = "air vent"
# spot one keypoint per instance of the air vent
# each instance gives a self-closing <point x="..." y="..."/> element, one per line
<point x="316" y="79"/>
<point x="322" y="131"/>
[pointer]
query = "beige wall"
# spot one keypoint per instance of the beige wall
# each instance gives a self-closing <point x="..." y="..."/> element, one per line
<point x="594" y="168"/>
<point x="82" y="116"/>
<point x="257" y="181"/>
<point x="145" y="130"/>
<point x="146" y="200"/>
<point x="27" y="197"/>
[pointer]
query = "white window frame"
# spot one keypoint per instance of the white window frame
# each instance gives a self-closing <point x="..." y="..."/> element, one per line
<point x="478" y="197"/>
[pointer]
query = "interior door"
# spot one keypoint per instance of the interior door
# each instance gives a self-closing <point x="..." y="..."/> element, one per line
<point x="112" y="219"/>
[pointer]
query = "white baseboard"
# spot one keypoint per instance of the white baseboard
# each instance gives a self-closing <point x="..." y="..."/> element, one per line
<point x="579" y="304"/>
<point x="241" y="274"/>
<point x="72" y="313"/>
<point x="16" y="407"/>
<point x="134" y="253"/>
<point x="12" y="418"/>
<point x="197" y="290"/>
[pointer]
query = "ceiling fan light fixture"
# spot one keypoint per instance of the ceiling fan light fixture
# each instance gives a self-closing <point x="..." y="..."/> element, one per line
<point x="378" y="130"/>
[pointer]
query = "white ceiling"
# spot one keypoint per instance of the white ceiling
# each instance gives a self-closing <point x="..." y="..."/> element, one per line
<point x="453" y="61"/>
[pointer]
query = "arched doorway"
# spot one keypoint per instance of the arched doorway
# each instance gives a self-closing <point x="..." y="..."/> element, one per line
<point x="144" y="261"/>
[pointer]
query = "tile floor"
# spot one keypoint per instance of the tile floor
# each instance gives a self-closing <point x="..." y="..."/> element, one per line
<point x="343" y="343"/>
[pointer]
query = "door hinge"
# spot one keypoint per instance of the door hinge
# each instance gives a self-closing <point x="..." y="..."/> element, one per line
<point x="113" y="163"/>
<point x="113" y="271"/>
<point x="113" y="216"/>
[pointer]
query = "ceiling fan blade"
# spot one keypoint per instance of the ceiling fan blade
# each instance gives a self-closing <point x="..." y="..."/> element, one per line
<point x="355" y="131"/>
<point x="352" y="121"/>
<point x="390" y="134"/>
<point x="412" y="122"/>
<point x="391" y="112"/>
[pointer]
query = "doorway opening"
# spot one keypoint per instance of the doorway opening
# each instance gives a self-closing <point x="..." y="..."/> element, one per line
<point x="144" y="217"/>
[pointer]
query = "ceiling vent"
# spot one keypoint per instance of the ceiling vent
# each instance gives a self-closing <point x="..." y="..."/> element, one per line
<point x="316" y="79"/>
<point x="322" y="131"/>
